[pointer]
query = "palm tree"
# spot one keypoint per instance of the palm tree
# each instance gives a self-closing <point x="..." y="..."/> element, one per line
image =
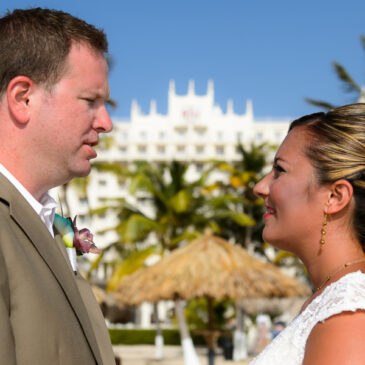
<point x="168" y="213"/>
<point x="171" y="210"/>
<point x="111" y="103"/>
<point x="243" y="176"/>
<point x="167" y="209"/>
<point x="350" y="86"/>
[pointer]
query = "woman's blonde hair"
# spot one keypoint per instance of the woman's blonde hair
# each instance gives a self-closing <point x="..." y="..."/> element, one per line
<point x="337" y="151"/>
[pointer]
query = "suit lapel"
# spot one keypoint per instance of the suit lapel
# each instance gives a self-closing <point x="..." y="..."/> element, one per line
<point x="52" y="254"/>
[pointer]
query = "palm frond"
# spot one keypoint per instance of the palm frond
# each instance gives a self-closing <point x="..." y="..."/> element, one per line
<point x="112" y="103"/>
<point x="320" y="104"/>
<point x="241" y="219"/>
<point x="348" y="82"/>
<point x="134" y="262"/>
<point x="362" y="38"/>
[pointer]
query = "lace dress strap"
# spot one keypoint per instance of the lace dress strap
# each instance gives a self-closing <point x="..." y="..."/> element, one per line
<point x="346" y="294"/>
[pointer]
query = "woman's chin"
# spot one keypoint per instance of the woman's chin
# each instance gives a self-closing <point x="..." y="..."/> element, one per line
<point x="271" y="239"/>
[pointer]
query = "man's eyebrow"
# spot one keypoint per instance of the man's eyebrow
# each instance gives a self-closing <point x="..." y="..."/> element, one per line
<point x="99" y="94"/>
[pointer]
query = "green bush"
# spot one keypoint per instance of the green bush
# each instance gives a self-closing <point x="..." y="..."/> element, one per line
<point x="147" y="337"/>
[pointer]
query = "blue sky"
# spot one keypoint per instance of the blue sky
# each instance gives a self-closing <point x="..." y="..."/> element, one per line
<point x="274" y="52"/>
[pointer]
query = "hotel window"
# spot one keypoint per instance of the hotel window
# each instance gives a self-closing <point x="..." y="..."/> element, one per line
<point x="259" y="136"/>
<point x="199" y="150"/>
<point x="161" y="150"/>
<point x="142" y="149"/>
<point x="181" y="133"/>
<point x="219" y="150"/>
<point x="239" y="136"/>
<point x="123" y="149"/>
<point x="180" y="149"/>
<point x="83" y="201"/>
<point x="161" y="135"/>
<point x="220" y="136"/>
<point x="102" y="182"/>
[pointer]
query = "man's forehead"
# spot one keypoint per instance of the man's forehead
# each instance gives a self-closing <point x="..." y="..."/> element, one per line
<point x="80" y="53"/>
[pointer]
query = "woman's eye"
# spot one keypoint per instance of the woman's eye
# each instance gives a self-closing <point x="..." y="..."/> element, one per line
<point x="278" y="169"/>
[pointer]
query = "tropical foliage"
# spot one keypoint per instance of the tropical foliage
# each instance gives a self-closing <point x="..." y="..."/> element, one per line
<point x="168" y="209"/>
<point x="236" y="193"/>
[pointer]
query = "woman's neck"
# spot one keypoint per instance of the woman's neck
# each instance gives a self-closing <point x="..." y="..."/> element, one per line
<point x="334" y="261"/>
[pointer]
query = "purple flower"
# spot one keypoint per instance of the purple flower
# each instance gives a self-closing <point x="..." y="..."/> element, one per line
<point x="83" y="240"/>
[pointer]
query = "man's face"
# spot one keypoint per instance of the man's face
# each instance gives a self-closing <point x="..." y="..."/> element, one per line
<point x="71" y="116"/>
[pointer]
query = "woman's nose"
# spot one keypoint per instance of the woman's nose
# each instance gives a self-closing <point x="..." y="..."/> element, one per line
<point x="261" y="189"/>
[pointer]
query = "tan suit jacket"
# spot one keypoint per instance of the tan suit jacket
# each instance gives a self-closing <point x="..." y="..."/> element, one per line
<point x="48" y="315"/>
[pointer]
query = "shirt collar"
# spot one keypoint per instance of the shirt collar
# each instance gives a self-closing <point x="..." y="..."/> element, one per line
<point x="45" y="208"/>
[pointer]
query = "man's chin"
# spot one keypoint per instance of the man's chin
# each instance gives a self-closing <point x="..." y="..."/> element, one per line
<point x="83" y="171"/>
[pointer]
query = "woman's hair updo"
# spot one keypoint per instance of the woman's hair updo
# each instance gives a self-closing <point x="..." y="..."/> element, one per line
<point x="337" y="151"/>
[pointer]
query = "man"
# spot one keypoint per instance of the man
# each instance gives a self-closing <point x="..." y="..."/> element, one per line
<point x="53" y="86"/>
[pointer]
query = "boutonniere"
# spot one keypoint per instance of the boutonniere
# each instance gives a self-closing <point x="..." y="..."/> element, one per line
<point x="81" y="240"/>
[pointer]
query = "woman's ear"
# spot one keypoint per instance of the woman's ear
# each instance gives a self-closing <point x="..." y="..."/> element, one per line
<point x="18" y="96"/>
<point x="341" y="192"/>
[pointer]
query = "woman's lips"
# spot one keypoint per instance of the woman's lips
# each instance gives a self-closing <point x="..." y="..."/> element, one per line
<point x="269" y="212"/>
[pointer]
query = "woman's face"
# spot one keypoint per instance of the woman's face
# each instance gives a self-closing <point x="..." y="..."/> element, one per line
<point x="293" y="199"/>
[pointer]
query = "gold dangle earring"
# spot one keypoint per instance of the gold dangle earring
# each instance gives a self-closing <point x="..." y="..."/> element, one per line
<point x="323" y="230"/>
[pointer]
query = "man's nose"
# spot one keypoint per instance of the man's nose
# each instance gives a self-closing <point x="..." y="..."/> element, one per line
<point x="103" y="122"/>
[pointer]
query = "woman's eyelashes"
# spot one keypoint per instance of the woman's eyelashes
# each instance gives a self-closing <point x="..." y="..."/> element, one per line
<point x="277" y="169"/>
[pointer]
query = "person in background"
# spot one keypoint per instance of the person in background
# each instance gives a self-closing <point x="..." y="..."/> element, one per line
<point x="277" y="328"/>
<point x="315" y="207"/>
<point x="263" y="323"/>
<point x="53" y="88"/>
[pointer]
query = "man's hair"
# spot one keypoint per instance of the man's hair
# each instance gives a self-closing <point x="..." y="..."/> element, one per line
<point x="36" y="42"/>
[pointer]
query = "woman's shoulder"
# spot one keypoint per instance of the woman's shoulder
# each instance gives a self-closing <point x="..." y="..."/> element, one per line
<point x="338" y="319"/>
<point x="337" y="340"/>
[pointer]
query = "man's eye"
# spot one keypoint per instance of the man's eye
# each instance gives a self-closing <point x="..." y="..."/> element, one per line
<point x="90" y="100"/>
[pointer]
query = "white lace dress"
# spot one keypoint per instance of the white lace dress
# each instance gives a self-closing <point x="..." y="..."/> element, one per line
<point x="346" y="294"/>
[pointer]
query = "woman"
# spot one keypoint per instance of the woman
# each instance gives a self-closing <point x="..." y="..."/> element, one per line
<point x="315" y="207"/>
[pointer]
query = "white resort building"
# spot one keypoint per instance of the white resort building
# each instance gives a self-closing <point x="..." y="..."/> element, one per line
<point x="194" y="129"/>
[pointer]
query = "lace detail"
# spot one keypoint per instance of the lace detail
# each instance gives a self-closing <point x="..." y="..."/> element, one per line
<point x="346" y="294"/>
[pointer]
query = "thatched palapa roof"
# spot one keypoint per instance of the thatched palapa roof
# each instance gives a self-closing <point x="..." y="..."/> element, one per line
<point x="208" y="266"/>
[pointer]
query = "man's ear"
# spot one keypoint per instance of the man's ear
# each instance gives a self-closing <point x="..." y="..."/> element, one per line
<point x="341" y="193"/>
<point x="19" y="91"/>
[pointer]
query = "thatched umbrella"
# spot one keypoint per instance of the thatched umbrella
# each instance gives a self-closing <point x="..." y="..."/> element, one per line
<point x="272" y="306"/>
<point x="208" y="267"/>
<point x="212" y="267"/>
